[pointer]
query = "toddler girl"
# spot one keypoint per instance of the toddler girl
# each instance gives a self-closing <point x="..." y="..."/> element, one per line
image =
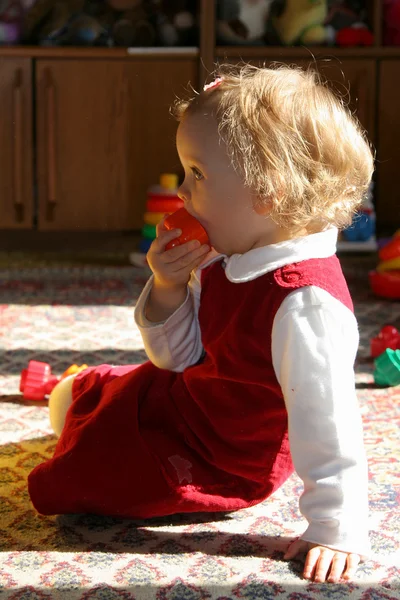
<point x="251" y="342"/>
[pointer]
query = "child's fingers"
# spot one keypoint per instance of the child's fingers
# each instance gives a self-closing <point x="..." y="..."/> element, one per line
<point x="191" y="259"/>
<point x="295" y="547"/>
<point x="338" y="565"/>
<point x="174" y="254"/>
<point x="163" y="237"/>
<point x="351" y="565"/>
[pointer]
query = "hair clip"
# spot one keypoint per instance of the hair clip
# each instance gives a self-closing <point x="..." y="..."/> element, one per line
<point x="213" y="84"/>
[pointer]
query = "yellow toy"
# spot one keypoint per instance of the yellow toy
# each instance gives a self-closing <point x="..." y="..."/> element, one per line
<point x="302" y="22"/>
<point x="72" y="370"/>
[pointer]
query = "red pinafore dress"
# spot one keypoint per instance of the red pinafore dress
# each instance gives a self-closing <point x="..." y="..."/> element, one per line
<point x="142" y="441"/>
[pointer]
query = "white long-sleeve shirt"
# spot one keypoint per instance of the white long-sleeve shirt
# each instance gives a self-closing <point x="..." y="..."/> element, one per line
<point x="314" y="344"/>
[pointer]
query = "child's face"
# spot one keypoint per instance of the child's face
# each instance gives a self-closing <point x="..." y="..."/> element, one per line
<point x="214" y="193"/>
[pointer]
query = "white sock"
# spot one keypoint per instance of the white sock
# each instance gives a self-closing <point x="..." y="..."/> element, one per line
<point x="59" y="402"/>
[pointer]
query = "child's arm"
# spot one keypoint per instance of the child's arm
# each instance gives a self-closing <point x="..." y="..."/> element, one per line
<point x="163" y="301"/>
<point x="174" y="343"/>
<point x="314" y="343"/>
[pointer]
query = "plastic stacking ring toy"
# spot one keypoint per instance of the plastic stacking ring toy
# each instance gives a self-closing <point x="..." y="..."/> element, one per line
<point x="149" y="232"/>
<point x="153" y="218"/>
<point x="144" y="245"/>
<point x="161" y="204"/>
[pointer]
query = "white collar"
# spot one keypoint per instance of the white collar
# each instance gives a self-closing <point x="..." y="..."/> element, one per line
<point x="254" y="263"/>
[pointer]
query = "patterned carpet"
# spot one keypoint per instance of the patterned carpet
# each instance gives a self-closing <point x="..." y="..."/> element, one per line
<point x="67" y="315"/>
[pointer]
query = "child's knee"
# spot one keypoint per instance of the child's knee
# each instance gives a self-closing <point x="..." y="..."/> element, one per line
<point x="59" y="402"/>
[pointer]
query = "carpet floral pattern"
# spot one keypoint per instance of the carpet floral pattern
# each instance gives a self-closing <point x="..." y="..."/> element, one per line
<point x="70" y="315"/>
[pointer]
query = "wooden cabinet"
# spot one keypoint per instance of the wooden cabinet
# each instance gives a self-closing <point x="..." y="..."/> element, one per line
<point x="104" y="133"/>
<point x="84" y="131"/>
<point x="16" y="193"/>
<point x="355" y="81"/>
<point x="388" y="156"/>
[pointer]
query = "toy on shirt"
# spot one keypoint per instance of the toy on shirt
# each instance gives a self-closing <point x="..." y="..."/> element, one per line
<point x="385" y="280"/>
<point x="37" y="382"/>
<point x="190" y="226"/>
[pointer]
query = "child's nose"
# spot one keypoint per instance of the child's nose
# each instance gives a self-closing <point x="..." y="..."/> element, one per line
<point x="182" y="193"/>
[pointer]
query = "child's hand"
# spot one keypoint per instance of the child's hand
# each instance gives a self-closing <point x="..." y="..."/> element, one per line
<point x="320" y="559"/>
<point x="172" y="268"/>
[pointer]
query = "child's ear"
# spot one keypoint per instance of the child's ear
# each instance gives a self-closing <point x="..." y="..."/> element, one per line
<point x="262" y="206"/>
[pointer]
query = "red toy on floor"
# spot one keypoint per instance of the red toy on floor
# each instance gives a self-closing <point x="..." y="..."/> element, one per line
<point x="37" y="382"/>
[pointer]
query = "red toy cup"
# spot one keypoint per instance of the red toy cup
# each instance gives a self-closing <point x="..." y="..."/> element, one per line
<point x="191" y="229"/>
<point x="37" y="381"/>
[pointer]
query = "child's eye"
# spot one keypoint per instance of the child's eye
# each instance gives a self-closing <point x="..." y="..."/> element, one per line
<point x="197" y="174"/>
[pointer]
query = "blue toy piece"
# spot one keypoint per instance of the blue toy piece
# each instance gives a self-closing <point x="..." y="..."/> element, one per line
<point x="144" y="245"/>
<point x="361" y="229"/>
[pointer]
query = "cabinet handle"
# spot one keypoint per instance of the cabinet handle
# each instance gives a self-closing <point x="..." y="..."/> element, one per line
<point x="51" y="146"/>
<point x="18" y="148"/>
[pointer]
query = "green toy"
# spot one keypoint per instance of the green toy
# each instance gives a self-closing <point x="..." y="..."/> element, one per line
<point x="302" y="22"/>
<point x="387" y="368"/>
<point x="149" y="232"/>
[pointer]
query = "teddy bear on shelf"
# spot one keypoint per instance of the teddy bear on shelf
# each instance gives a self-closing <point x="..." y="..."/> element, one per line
<point x="242" y="22"/>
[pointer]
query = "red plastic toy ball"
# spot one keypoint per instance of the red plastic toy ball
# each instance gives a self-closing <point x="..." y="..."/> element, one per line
<point x="191" y="228"/>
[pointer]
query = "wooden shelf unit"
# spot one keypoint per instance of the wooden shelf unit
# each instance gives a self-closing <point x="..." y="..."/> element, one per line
<point x="111" y="133"/>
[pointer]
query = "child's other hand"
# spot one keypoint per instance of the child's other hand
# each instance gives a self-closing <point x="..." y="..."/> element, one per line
<point x="320" y="559"/>
<point x="172" y="268"/>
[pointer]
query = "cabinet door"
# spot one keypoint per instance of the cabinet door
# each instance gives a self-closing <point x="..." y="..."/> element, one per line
<point x="352" y="79"/>
<point x="355" y="81"/>
<point x="16" y="189"/>
<point x="104" y="135"/>
<point x="388" y="153"/>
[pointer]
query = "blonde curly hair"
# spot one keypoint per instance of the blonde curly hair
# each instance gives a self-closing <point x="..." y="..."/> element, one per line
<point x="292" y="141"/>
